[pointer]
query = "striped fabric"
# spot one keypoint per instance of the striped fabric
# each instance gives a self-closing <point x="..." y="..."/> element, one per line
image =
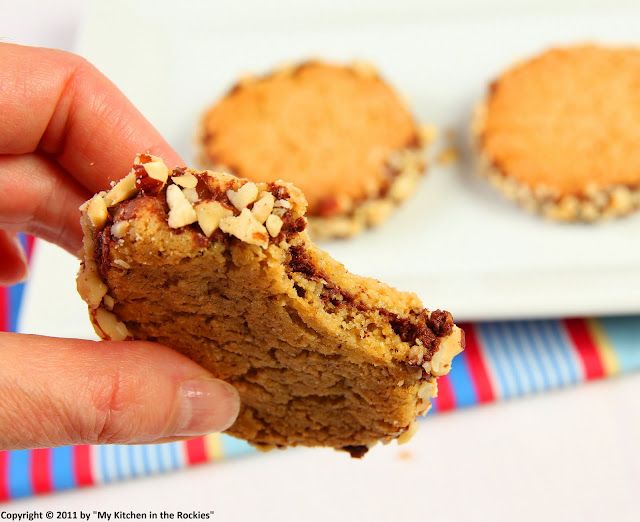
<point x="502" y="360"/>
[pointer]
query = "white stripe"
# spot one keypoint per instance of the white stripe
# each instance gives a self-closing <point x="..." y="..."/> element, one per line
<point x="96" y="468"/>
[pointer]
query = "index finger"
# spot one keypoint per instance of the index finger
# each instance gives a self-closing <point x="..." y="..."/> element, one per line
<point x="57" y="103"/>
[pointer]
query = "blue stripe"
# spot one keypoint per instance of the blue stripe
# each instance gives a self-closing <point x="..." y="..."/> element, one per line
<point x="460" y="378"/>
<point x="624" y="335"/>
<point x="117" y="456"/>
<point x="62" y="468"/>
<point x="15" y="300"/>
<point x="20" y="474"/>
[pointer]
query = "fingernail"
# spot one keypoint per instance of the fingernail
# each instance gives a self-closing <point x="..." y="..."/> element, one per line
<point x="206" y="406"/>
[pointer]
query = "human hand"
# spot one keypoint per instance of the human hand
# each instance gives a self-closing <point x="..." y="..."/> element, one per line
<point x="66" y="133"/>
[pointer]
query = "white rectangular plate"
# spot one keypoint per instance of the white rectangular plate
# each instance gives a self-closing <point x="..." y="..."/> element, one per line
<point x="456" y="243"/>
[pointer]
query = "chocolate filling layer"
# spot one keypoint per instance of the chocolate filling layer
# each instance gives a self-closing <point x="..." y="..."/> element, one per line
<point x="420" y="326"/>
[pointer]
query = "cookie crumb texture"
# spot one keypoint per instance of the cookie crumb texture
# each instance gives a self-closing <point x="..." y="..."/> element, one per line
<point x="340" y="133"/>
<point x="559" y="133"/>
<point x="222" y="270"/>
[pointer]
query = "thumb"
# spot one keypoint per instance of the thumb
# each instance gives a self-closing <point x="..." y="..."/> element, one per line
<point x="65" y="391"/>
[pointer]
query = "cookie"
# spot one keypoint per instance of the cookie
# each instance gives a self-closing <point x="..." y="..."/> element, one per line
<point x="222" y="270"/>
<point x="339" y="133"/>
<point x="559" y="133"/>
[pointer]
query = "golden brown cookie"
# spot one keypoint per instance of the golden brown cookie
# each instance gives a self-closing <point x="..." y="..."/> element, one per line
<point x="340" y="133"/>
<point x="559" y="133"/>
<point x="222" y="269"/>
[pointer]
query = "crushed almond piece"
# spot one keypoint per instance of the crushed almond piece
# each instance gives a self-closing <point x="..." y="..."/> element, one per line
<point x="119" y="229"/>
<point x="191" y="194"/>
<point x="109" y="302"/>
<point x="274" y="225"/>
<point x="408" y="435"/>
<point x="156" y="169"/>
<point x="244" y="196"/>
<point x="124" y="189"/>
<point x="90" y="286"/>
<point x="246" y="228"/>
<point x="209" y="214"/>
<point x="282" y="203"/>
<point x="97" y="211"/>
<point x="181" y="212"/>
<point x="186" y="180"/>
<point x="263" y="207"/>
<point x="110" y="325"/>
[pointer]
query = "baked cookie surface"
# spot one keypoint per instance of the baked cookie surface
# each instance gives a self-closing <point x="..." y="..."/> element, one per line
<point x="339" y="133"/>
<point x="559" y="133"/>
<point x="222" y="270"/>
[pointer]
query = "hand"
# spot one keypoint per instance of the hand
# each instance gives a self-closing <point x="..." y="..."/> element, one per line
<point x="65" y="133"/>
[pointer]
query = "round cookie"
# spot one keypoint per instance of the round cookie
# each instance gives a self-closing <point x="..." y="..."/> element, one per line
<point x="340" y="133"/>
<point x="560" y="133"/>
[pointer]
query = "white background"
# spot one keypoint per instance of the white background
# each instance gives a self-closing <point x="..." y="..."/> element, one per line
<point x="568" y="455"/>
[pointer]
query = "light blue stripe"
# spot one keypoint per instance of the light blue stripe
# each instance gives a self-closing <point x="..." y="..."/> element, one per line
<point x="232" y="447"/>
<point x="513" y="344"/>
<point x="146" y="466"/>
<point x="565" y="350"/>
<point x="624" y="335"/>
<point x="175" y="463"/>
<point x="62" y="468"/>
<point x="19" y="474"/>
<point x="106" y="463"/>
<point x="493" y="359"/>
<point x="528" y="340"/>
<point x="461" y="382"/>
<point x="134" y="470"/>
<point x="160" y="457"/>
<point x="537" y="330"/>
<point x="117" y="460"/>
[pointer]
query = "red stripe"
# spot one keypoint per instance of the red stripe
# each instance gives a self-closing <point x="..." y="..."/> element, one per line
<point x="196" y="452"/>
<point x="477" y="368"/>
<point x="586" y="348"/>
<point x="4" y="309"/>
<point x="30" y="244"/>
<point x="82" y="466"/>
<point x="4" y="476"/>
<point x="445" y="400"/>
<point x="41" y="470"/>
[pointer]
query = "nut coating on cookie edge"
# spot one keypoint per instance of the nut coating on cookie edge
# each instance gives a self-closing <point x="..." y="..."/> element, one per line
<point x="254" y="234"/>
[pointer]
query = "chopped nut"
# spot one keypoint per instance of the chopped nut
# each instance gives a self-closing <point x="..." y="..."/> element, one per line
<point x="263" y="207"/>
<point x="111" y="327"/>
<point x="181" y="212"/>
<point x="450" y="346"/>
<point x="109" y="302"/>
<point x="244" y="196"/>
<point x="428" y="389"/>
<point x="209" y="214"/>
<point x="90" y="286"/>
<point x="408" y="435"/>
<point x="274" y="225"/>
<point x="97" y="211"/>
<point x="246" y="228"/>
<point x="119" y="229"/>
<point x="156" y="169"/>
<point x="191" y="194"/>
<point x="283" y="203"/>
<point x="186" y="180"/>
<point x="122" y="263"/>
<point x="124" y="189"/>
